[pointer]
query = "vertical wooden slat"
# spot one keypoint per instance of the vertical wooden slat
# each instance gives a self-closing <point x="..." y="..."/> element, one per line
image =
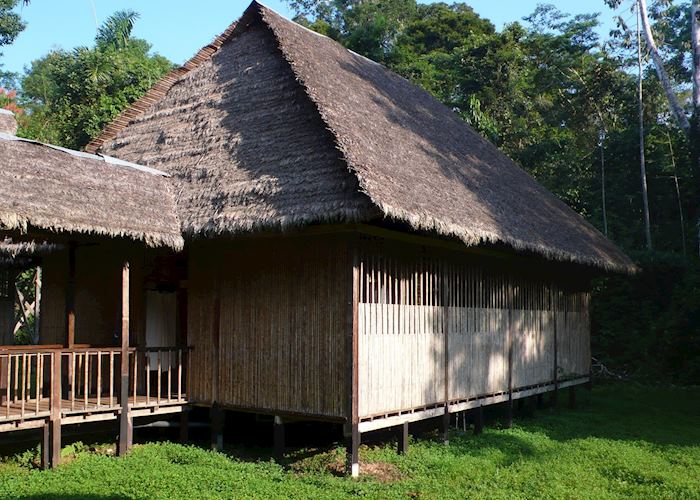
<point x="159" y="376"/>
<point x="99" y="377"/>
<point x="16" y="380"/>
<point x="37" y="381"/>
<point x="148" y="378"/>
<point x="170" y="376"/>
<point x="86" y="377"/>
<point x="111" y="378"/>
<point x="136" y="368"/>
<point x="72" y="381"/>
<point x="24" y="383"/>
<point x="179" y="374"/>
<point x="8" y="398"/>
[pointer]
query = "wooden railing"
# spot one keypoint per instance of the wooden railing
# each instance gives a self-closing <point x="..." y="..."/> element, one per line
<point x="34" y="379"/>
<point x="25" y="383"/>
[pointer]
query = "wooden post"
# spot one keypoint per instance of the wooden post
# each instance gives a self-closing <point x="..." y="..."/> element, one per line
<point x="478" y="420"/>
<point x="125" y="422"/>
<point x="351" y="346"/>
<point x="46" y="445"/>
<point x="70" y="298"/>
<point x="278" y="437"/>
<point x="216" y="415"/>
<point x="55" y="417"/>
<point x="403" y="439"/>
<point x="446" y="427"/>
<point x="184" y="425"/>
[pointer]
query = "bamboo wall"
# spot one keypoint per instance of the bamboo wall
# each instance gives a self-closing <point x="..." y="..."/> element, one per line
<point x="267" y="320"/>
<point x="412" y="298"/>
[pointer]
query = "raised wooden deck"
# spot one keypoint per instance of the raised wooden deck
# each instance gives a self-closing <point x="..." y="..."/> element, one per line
<point x="51" y="387"/>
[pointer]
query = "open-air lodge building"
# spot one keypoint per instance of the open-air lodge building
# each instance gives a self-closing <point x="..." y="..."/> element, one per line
<point x="291" y="230"/>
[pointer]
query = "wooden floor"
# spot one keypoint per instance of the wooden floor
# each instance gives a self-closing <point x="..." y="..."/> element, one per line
<point x="32" y="414"/>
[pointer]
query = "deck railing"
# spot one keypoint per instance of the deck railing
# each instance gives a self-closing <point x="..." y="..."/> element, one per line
<point x="87" y="379"/>
<point x="25" y="382"/>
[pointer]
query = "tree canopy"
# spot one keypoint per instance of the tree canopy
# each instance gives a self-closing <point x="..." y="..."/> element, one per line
<point x="71" y="95"/>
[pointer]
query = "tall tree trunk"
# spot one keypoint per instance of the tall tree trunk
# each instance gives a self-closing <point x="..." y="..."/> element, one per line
<point x="678" y="192"/>
<point x="602" y="180"/>
<point x="642" y="163"/>
<point x="695" y="39"/>
<point x="660" y="70"/>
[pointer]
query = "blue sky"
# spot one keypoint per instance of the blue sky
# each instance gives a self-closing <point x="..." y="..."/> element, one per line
<point x="177" y="29"/>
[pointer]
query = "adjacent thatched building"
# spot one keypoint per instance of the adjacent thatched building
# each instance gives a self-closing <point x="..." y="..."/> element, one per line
<point x="355" y="251"/>
<point x="97" y="211"/>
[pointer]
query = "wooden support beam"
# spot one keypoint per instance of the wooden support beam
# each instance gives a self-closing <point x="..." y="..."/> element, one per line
<point x="478" y="420"/>
<point x="126" y="428"/>
<point x="278" y="437"/>
<point x="540" y="400"/>
<point x="184" y="426"/>
<point x="352" y="370"/>
<point x="402" y="448"/>
<point x="353" y="452"/>
<point x="216" y="415"/>
<point x="55" y="416"/>
<point x="46" y="445"/>
<point x="446" y="427"/>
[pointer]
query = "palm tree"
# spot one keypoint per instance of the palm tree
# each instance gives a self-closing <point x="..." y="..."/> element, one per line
<point x="116" y="30"/>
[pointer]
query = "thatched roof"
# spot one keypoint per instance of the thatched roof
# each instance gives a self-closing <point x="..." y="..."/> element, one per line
<point x="48" y="188"/>
<point x="282" y="126"/>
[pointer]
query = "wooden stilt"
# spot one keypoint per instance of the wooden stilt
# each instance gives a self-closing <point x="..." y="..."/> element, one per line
<point x="403" y="439"/>
<point x="572" y="397"/>
<point x="278" y="438"/>
<point x="446" y="427"/>
<point x="521" y="404"/>
<point x="126" y="428"/>
<point x="217" y="427"/>
<point x="353" y="452"/>
<point x="184" y="426"/>
<point x="540" y="400"/>
<point x="46" y="445"/>
<point x="509" y="414"/>
<point x="478" y="420"/>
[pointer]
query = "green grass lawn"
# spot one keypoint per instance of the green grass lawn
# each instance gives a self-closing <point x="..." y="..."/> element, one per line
<point x="622" y="441"/>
